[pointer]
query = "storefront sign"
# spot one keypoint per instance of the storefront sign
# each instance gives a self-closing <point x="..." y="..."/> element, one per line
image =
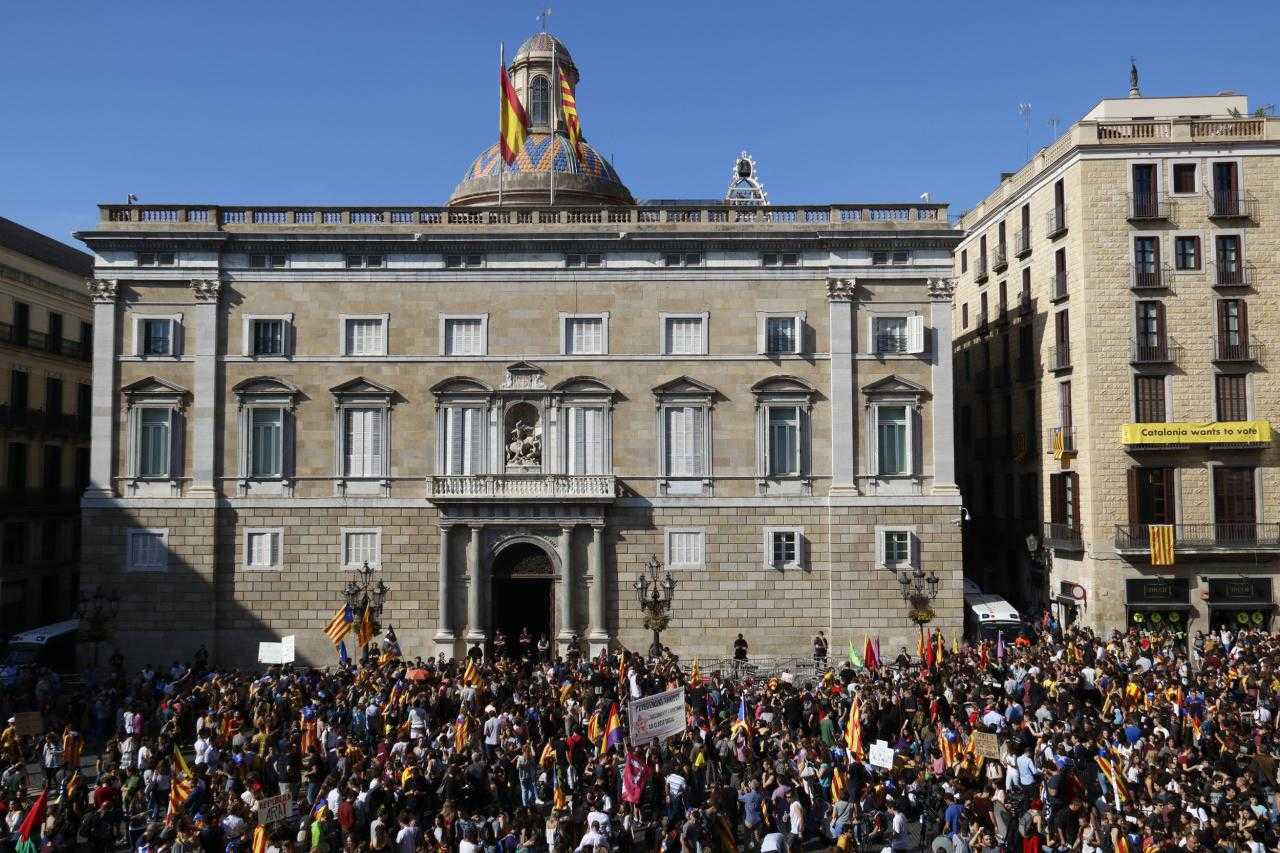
<point x="1215" y="432"/>
<point x="1157" y="591"/>
<point x="1240" y="590"/>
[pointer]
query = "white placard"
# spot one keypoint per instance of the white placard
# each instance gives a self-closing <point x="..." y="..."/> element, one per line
<point x="656" y="717"/>
<point x="286" y="649"/>
<point x="269" y="653"/>
<point x="274" y="809"/>
<point x="881" y="755"/>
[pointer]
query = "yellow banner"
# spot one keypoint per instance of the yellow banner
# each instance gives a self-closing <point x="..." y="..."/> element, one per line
<point x="1218" y="432"/>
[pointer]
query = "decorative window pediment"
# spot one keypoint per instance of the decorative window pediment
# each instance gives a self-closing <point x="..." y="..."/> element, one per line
<point x="460" y="386"/>
<point x="524" y="376"/>
<point x="895" y="388"/>
<point x="266" y="390"/>
<point x="782" y="385"/>
<point x="583" y="386"/>
<point x="155" y="390"/>
<point x="361" y="390"/>
<point x="683" y="386"/>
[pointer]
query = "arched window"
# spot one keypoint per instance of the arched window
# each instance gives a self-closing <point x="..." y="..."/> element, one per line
<point x="541" y="98"/>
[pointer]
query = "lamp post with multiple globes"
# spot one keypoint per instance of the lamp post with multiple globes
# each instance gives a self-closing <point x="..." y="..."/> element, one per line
<point x="362" y="592"/>
<point x="656" y="590"/>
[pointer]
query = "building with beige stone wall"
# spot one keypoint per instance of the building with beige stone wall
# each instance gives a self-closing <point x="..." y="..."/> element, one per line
<point x="508" y="409"/>
<point x="1114" y="319"/>
<point x="45" y="337"/>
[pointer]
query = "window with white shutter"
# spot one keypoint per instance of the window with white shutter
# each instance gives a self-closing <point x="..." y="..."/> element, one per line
<point x="784" y="547"/>
<point x="684" y="335"/>
<point x="362" y="546"/>
<point x="262" y="549"/>
<point x="685" y="547"/>
<point x="464" y="440"/>
<point x="155" y="442"/>
<point x="147" y="550"/>
<point x="585" y="442"/>
<point x="362" y="442"/>
<point x="686" y="441"/>
<point x="464" y="336"/>
<point x="364" y="336"/>
<point x="784" y="441"/>
<point x="266" y="443"/>
<point x="584" y="335"/>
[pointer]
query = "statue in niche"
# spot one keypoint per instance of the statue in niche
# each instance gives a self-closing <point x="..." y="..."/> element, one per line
<point x="524" y="449"/>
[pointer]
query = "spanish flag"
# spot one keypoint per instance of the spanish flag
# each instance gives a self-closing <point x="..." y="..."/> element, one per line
<point x="1161" y="536"/>
<point x="513" y="123"/>
<point x="569" y="106"/>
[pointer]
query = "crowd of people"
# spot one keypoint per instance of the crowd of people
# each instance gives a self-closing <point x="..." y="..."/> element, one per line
<point x="1117" y="744"/>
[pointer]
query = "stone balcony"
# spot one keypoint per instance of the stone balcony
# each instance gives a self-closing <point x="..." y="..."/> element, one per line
<point x="523" y="487"/>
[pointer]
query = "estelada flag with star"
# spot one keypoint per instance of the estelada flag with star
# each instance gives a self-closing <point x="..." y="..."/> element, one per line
<point x="513" y="122"/>
<point x="572" y="123"/>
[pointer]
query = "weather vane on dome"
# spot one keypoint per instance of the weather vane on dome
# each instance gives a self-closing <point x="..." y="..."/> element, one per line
<point x="745" y="188"/>
<point x="542" y="18"/>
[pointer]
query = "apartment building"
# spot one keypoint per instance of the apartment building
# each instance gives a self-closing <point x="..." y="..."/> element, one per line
<point x="508" y="410"/>
<point x="1114" y="320"/>
<point x="46" y="335"/>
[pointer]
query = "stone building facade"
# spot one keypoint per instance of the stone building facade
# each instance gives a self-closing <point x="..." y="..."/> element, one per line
<point x="1114" y="322"/>
<point x="45" y="338"/>
<point x="507" y="410"/>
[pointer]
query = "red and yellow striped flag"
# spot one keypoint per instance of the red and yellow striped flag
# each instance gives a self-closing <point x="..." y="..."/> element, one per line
<point x="259" y="839"/>
<point x="513" y="122"/>
<point x="364" y="635"/>
<point x="572" y="124"/>
<point x="1161" y="536"/>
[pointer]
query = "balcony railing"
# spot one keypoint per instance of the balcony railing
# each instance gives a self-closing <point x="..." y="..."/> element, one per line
<point x="40" y="421"/>
<point x="22" y="337"/>
<point x="981" y="320"/>
<point x="1024" y="304"/>
<point x="524" y="487"/>
<point x="1064" y="537"/>
<point x="1022" y="242"/>
<point x="1149" y="277"/>
<point x="1224" y="349"/>
<point x="1231" y="204"/>
<point x="1056" y="221"/>
<point x="980" y="273"/>
<point x="1234" y="275"/>
<point x="1161" y="351"/>
<point x="1149" y="205"/>
<point x="1058" y="286"/>
<point x="1238" y="537"/>
<point x="1060" y="357"/>
<point x="1000" y="259"/>
<point x="1060" y="439"/>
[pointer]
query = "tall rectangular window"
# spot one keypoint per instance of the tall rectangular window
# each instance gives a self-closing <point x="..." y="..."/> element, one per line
<point x="891" y="334"/>
<point x="780" y="335"/>
<point x="584" y="335"/>
<point x="1150" y="331"/>
<point x="585" y="444"/>
<point x="155" y="442"/>
<point x="1184" y="178"/>
<point x="266" y="448"/>
<point x="55" y="332"/>
<point x="1146" y="261"/>
<point x="360" y="547"/>
<point x="1149" y="402"/>
<point x="464" y="336"/>
<point x="53" y="396"/>
<point x="1234" y="500"/>
<point x="1186" y="252"/>
<point x="268" y="337"/>
<point x="157" y="337"/>
<point x="362" y="442"/>
<point x="464" y="440"/>
<point x="16" y="466"/>
<point x="1151" y="498"/>
<point x="365" y="336"/>
<point x="52" y="464"/>
<point x="684" y="336"/>
<point x="685" y="548"/>
<point x="784" y="441"/>
<point x="19" y="397"/>
<point x="1231" y="391"/>
<point x="891" y="439"/>
<point x="686" y="441"/>
<point x="1064" y="404"/>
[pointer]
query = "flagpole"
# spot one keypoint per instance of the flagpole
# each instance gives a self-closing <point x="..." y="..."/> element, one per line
<point x="502" y="64"/>
<point x="554" y="87"/>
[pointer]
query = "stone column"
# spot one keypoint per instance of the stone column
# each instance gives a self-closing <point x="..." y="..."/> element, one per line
<point x="103" y="420"/>
<point x="205" y="403"/>
<point x="444" y="639"/>
<point x="941" y="292"/>
<point x="566" y="587"/>
<point x="844" y="480"/>
<point x="475" y="620"/>
<point x="597" y="629"/>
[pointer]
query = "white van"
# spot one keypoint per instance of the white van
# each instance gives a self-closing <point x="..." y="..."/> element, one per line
<point x="986" y="616"/>
<point x="53" y="646"/>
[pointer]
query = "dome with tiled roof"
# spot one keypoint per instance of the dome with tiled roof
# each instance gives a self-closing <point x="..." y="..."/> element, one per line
<point x="542" y="43"/>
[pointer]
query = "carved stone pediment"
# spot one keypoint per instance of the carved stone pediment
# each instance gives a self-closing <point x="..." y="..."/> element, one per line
<point x="460" y="385"/>
<point x="361" y="388"/>
<point x="264" y="389"/>
<point x="155" y="390"/>
<point x="584" y="385"/>
<point x="524" y="376"/>
<point x="783" y="384"/>
<point x="683" y="386"/>
<point x="895" y="386"/>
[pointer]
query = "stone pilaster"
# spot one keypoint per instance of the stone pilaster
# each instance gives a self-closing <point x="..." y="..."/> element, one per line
<point x="565" y="599"/>
<point x="444" y="638"/>
<point x="475" y="584"/>
<point x="597" y="629"/>
<point x="103" y="292"/>
<point x="941" y="292"/>
<point x="205" y="405"/>
<point x="843" y="458"/>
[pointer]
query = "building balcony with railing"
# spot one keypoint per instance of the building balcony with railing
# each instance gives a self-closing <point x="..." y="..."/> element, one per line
<point x="1060" y="357"/>
<point x="1147" y="206"/>
<point x="19" y="336"/>
<point x="1000" y="258"/>
<point x="1231" y="274"/>
<point x="1150" y="277"/>
<point x="1233" y="348"/>
<point x="1162" y="350"/>
<point x="981" y="320"/>
<point x="1063" y="537"/>
<point x="980" y="271"/>
<point x="1055" y="221"/>
<point x="1224" y="538"/>
<point x="1059" y="440"/>
<point x="1022" y="242"/>
<point x="42" y="422"/>
<point x="1025" y="304"/>
<point x="1232" y="204"/>
<point x="588" y="487"/>
<point x="1058" y="286"/>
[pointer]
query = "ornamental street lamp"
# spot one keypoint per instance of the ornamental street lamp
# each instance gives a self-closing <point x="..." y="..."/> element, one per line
<point x="655" y="589"/>
<point x="919" y="589"/>
<point x="361" y="593"/>
<point x="96" y="612"/>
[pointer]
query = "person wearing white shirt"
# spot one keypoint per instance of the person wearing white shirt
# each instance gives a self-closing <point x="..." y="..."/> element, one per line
<point x="599" y="819"/>
<point x="592" y="838"/>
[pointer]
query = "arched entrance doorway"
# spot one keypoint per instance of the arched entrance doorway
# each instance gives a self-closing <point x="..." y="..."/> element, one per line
<point x="523" y="594"/>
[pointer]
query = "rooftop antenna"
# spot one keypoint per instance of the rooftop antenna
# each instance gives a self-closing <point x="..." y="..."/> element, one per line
<point x="1134" y="91"/>
<point x="1054" y="121"/>
<point x="542" y="18"/>
<point x="1024" y="110"/>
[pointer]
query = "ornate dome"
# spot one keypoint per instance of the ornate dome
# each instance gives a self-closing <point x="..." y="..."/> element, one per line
<point x="586" y="180"/>
<point x="541" y="43"/>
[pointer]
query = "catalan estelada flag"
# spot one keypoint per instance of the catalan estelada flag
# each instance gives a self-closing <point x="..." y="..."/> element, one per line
<point x="1161" y="536"/>
<point x="365" y="634"/>
<point x="181" y="785"/>
<point x="853" y="730"/>
<point x="339" y="625"/>
<point x="569" y="106"/>
<point x="513" y="123"/>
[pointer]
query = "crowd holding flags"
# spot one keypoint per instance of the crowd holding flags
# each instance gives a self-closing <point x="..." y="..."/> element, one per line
<point x="181" y="785"/>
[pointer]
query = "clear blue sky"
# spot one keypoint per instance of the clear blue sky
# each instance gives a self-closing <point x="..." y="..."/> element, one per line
<point x="329" y="102"/>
